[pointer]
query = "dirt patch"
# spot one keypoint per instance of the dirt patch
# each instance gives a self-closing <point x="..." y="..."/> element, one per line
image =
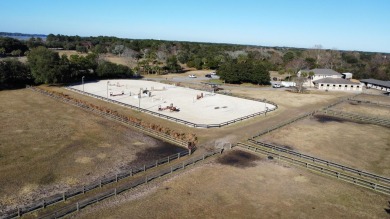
<point x="329" y="118"/>
<point x="239" y="159"/>
<point x="326" y="119"/>
<point x="148" y="155"/>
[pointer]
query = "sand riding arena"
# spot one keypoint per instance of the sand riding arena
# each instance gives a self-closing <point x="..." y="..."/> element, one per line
<point x="183" y="105"/>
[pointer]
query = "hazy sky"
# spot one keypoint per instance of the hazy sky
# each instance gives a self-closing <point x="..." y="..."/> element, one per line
<point x="342" y="24"/>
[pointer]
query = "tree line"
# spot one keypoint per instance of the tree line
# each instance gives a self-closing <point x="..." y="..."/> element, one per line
<point x="234" y="63"/>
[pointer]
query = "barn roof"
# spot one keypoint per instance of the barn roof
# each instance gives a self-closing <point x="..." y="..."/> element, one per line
<point x="322" y="71"/>
<point x="377" y="82"/>
<point x="334" y="81"/>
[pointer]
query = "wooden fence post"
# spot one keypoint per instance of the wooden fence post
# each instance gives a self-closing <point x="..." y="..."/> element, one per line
<point x="146" y="179"/>
<point x="171" y="169"/>
<point x="131" y="172"/>
<point x="77" y="206"/>
<point x="19" y="212"/>
<point x="44" y="203"/>
<point x="156" y="163"/>
<point x="168" y="159"/>
<point x="178" y="155"/>
<point x="63" y="196"/>
<point x="183" y="165"/>
<point x="100" y="183"/>
<point x="115" y="191"/>
<point x="116" y="177"/>
<point x="83" y="189"/>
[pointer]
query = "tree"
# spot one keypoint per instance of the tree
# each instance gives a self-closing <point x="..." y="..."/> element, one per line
<point x="299" y="81"/>
<point x="17" y="52"/>
<point x="14" y="73"/>
<point x="288" y="57"/>
<point x="311" y="74"/>
<point x="112" y="70"/>
<point x="172" y="64"/>
<point x="11" y="44"/>
<point x="2" y="51"/>
<point x="294" y="66"/>
<point x="81" y="49"/>
<point x="44" y="65"/>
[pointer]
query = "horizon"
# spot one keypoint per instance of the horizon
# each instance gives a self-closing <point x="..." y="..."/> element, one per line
<point x="338" y="25"/>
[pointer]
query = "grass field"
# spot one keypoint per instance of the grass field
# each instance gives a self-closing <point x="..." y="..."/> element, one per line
<point x="239" y="185"/>
<point x="47" y="146"/>
<point x="362" y="146"/>
<point x="364" y="109"/>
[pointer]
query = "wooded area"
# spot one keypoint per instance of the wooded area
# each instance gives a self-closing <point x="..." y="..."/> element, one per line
<point x="234" y="63"/>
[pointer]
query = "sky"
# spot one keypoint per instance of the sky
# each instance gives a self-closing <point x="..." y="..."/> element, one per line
<point x="362" y="25"/>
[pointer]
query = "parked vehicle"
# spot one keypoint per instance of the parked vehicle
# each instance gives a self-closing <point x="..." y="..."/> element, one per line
<point x="276" y="86"/>
<point x="192" y="76"/>
<point x="208" y="75"/>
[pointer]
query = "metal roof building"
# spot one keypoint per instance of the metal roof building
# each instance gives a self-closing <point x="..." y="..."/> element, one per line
<point x="377" y="84"/>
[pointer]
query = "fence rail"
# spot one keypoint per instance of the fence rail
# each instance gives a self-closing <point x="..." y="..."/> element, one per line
<point x="357" y="117"/>
<point x="369" y="102"/>
<point x="61" y="197"/>
<point x="313" y="159"/>
<point x="300" y="117"/>
<point x="195" y="125"/>
<point x="385" y="189"/>
<point x="74" y="207"/>
<point x="151" y="132"/>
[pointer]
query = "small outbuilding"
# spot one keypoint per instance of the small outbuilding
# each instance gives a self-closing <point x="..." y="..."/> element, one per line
<point x="337" y="84"/>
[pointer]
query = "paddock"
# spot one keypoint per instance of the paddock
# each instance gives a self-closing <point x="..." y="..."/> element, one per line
<point x="198" y="107"/>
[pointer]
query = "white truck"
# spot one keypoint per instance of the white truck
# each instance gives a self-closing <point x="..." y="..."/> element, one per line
<point x="288" y="84"/>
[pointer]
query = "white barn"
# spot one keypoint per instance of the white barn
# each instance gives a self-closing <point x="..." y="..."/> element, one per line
<point x="319" y="73"/>
<point x="337" y="84"/>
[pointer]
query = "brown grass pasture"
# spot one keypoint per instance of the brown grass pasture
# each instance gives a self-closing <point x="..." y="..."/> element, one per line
<point x="70" y="52"/>
<point x="364" y="109"/>
<point x="47" y="146"/>
<point x="361" y="146"/>
<point x="244" y="187"/>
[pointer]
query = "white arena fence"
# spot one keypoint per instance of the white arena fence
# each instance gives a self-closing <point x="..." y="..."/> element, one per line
<point x="181" y="120"/>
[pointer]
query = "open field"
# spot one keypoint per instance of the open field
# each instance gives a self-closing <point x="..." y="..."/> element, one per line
<point x="242" y="185"/>
<point x="47" y="146"/>
<point x="361" y="146"/>
<point x="288" y="108"/>
<point x="210" y="109"/>
<point x="69" y="53"/>
<point x="93" y="147"/>
<point x="364" y="109"/>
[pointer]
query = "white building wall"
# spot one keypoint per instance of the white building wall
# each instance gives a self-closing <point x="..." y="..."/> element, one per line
<point x="340" y="87"/>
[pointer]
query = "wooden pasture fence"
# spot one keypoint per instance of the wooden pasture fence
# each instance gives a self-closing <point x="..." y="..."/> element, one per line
<point x="63" y="196"/>
<point x="300" y="117"/>
<point x="273" y="147"/>
<point x="358" y="117"/>
<point x="341" y="175"/>
<point x="74" y="207"/>
<point x="137" y="126"/>
<point x="377" y="103"/>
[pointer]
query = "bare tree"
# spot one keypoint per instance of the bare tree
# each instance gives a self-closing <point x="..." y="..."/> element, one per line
<point x="295" y="65"/>
<point x="318" y="51"/>
<point x="299" y="81"/>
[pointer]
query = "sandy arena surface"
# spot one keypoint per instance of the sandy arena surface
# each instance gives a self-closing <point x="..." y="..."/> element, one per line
<point x="212" y="109"/>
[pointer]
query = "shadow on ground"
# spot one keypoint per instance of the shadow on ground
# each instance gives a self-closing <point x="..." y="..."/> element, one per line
<point x="240" y="159"/>
<point x="149" y="155"/>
